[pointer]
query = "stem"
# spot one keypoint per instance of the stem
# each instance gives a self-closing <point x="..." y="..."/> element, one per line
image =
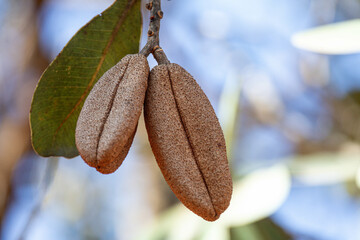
<point x="153" y="42"/>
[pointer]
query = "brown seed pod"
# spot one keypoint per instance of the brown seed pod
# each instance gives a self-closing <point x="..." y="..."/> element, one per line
<point x="187" y="141"/>
<point x="108" y="120"/>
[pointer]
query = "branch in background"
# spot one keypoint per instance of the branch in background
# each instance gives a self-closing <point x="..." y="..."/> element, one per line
<point x="14" y="127"/>
<point x="153" y="42"/>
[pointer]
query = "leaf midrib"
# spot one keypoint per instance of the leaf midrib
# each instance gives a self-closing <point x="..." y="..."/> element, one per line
<point x="120" y="21"/>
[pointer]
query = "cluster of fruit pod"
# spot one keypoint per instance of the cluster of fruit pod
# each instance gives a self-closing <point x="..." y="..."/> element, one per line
<point x="183" y="130"/>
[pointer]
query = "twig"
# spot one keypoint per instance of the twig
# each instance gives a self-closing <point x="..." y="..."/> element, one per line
<point x="153" y="42"/>
<point x="50" y="170"/>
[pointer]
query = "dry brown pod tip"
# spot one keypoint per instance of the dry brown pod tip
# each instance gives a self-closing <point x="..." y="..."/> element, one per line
<point x="187" y="141"/>
<point x="108" y="120"/>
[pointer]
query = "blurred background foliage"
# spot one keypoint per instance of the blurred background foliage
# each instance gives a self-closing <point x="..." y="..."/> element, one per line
<point x="290" y="116"/>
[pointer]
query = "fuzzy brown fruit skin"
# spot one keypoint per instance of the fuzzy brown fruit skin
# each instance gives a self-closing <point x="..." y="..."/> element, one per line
<point x="187" y="141"/>
<point x="108" y="120"/>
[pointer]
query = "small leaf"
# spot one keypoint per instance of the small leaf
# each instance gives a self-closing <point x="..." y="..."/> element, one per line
<point x="229" y="112"/>
<point x="248" y="205"/>
<point x="215" y="232"/>
<point x="64" y="85"/>
<point x="324" y="168"/>
<point x="336" y="38"/>
<point x="256" y="196"/>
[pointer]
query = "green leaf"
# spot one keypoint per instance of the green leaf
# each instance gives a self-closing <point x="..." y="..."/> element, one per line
<point x="336" y="38"/>
<point x="65" y="84"/>
<point x="264" y="229"/>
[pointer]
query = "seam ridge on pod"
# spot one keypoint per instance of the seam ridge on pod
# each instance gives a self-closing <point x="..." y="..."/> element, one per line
<point x="109" y="110"/>
<point x="189" y="141"/>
